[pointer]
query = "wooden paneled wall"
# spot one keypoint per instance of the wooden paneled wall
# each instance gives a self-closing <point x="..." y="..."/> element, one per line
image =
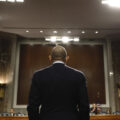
<point x="86" y="58"/>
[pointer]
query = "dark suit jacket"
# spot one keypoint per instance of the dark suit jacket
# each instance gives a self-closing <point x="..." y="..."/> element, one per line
<point x="61" y="92"/>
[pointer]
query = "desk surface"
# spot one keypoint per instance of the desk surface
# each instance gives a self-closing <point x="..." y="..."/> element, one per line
<point x="95" y="117"/>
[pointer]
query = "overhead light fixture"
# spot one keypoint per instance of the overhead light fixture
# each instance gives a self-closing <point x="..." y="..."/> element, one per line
<point x="83" y="32"/>
<point x="55" y="32"/>
<point x="65" y="39"/>
<point x="27" y="31"/>
<point x="53" y="39"/>
<point x="41" y="31"/>
<point x="113" y="3"/>
<point x="96" y="32"/>
<point x="19" y="0"/>
<point x="10" y="0"/>
<point x="68" y="32"/>
<point x="76" y="39"/>
<point x="3" y="0"/>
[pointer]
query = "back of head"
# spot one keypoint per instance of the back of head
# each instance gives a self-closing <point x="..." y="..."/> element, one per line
<point x="58" y="53"/>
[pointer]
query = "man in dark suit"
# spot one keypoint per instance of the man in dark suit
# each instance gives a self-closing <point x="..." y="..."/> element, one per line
<point x="59" y="90"/>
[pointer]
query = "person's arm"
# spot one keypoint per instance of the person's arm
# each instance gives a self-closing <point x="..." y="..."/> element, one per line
<point x="83" y="100"/>
<point x="93" y="109"/>
<point x="34" y="100"/>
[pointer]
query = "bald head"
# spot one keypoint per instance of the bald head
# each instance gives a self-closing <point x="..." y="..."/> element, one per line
<point x="58" y="53"/>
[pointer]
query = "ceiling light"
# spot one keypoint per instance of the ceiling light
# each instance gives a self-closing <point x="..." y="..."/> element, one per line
<point x="65" y="39"/>
<point x="96" y="32"/>
<point x="69" y="32"/>
<point x="53" y="39"/>
<point x="76" y="39"/>
<point x="41" y="31"/>
<point x="83" y="32"/>
<point x="47" y="39"/>
<point x="55" y="32"/>
<point x="3" y="0"/>
<point x="11" y="0"/>
<point x="27" y="31"/>
<point x="19" y="0"/>
<point x="113" y="3"/>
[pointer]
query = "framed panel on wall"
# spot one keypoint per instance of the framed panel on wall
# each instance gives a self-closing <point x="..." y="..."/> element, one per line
<point x="90" y="59"/>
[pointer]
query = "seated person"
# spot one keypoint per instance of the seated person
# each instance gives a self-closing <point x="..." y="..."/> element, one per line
<point x="95" y="108"/>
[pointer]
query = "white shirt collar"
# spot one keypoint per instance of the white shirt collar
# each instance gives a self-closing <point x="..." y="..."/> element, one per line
<point x="58" y="61"/>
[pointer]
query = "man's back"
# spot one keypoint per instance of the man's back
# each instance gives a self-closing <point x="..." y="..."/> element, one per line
<point x="61" y="91"/>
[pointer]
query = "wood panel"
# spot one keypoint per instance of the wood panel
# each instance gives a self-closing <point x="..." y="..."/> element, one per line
<point x="86" y="58"/>
<point x="97" y="117"/>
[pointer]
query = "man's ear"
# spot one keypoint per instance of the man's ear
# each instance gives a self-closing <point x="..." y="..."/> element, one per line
<point x="50" y="58"/>
<point x="67" y="58"/>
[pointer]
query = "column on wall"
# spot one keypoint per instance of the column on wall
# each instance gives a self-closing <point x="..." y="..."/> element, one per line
<point x="7" y="64"/>
<point x="111" y="77"/>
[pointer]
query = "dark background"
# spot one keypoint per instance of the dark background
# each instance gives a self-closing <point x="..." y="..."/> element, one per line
<point x="86" y="58"/>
